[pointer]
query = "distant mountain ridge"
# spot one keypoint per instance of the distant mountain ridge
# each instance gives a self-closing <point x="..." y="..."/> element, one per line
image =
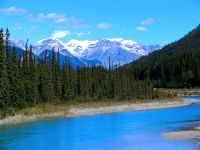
<point x="87" y="52"/>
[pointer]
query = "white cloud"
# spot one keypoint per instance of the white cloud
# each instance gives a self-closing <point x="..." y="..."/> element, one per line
<point x="104" y="26"/>
<point x="143" y="24"/>
<point x="55" y="17"/>
<point x="58" y="18"/>
<point x="147" y="21"/>
<point x="18" y="26"/>
<point x="39" y="18"/>
<point x="80" y="34"/>
<point x="60" y="33"/>
<point x="83" y="33"/>
<point x="140" y="28"/>
<point x="13" y="11"/>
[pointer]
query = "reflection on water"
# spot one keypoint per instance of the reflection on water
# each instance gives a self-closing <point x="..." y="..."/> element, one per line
<point x="121" y="131"/>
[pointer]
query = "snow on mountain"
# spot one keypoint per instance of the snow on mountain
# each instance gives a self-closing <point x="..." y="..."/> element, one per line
<point x="77" y="48"/>
<point x="48" y="44"/>
<point x="19" y="44"/>
<point x="105" y="49"/>
<point x="119" y="50"/>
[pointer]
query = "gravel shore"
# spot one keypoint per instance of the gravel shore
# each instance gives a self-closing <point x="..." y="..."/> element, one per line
<point x="82" y="111"/>
<point x="78" y="111"/>
<point x="183" y="135"/>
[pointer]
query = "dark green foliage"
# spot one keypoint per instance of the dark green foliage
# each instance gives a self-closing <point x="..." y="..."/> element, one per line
<point x="174" y="66"/>
<point x="7" y="44"/>
<point x="58" y="78"/>
<point x="45" y="82"/>
<point x="17" y="90"/>
<point x="25" y="82"/>
<point x="33" y="77"/>
<point x="26" y="76"/>
<point x="4" y="84"/>
<point x="68" y="83"/>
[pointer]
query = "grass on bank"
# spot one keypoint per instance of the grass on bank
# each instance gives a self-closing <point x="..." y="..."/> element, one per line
<point x="52" y="107"/>
<point x="169" y="95"/>
<point x="181" y="92"/>
<point x="43" y="108"/>
<point x="59" y="106"/>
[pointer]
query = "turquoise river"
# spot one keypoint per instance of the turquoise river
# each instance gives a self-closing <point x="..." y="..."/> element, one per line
<point x="140" y="130"/>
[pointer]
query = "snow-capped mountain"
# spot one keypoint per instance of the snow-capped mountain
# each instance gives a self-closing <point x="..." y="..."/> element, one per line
<point x="19" y="44"/>
<point x="120" y="51"/>
<point x="77" y="48"/>
<point x="48" y="44"/>
<point x="103" y="49"/>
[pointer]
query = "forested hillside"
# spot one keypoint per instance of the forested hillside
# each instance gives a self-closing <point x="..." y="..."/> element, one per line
<point x="174" y="66"/>
<point x="25" y="81"/>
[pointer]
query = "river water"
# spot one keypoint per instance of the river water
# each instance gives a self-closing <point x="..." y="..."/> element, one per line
<point x="141" y="130"/>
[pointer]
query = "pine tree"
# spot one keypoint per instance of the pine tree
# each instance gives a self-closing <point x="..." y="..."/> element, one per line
<point x="68" y="82"/>
<point x="58" y="77"/>
<point x="45" y="81"/>
<point x="4" y="90"/>
<point x="7" y="56"/>
<point x="26" y="74"/>
<point x="33" y="76"/>
<point x="78" y="81"/>
<point x="7" y="46"/>
<point x="17" y="93"/>
<point x="52" y="70"/>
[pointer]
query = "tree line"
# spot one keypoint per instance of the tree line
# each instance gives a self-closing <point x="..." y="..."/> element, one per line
<point x="25" y="81"/>
<point x="174" y="66"/>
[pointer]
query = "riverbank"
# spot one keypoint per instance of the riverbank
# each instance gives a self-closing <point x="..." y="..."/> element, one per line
<point x="192" y="134"/>
<point x="129" y="107"/>
<point x="92" y="108"/>
<point x="181" y="92"/>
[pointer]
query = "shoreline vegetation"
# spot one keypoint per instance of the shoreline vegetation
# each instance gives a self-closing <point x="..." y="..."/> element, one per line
<point x="28" y="80"/>
<point x="49" y="86"/>
<point x="181" y="92"/>
<point x="52" y="111"/>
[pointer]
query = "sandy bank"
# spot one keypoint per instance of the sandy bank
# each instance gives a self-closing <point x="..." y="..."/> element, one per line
<point x="79" y="111"/>
<point x="184" y="135"/>
<point x="88" y="111"/>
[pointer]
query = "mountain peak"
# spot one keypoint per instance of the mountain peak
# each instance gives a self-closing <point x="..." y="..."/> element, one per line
<point x="19" y="44"/>
<point x="119" y="49"/>
<point x="48" y="41"/>
<point x="84" y="43"/>
<point x="48" y="44"/>
<point x="115" y="39"/>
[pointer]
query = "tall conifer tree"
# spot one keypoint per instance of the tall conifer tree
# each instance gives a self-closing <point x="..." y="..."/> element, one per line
<point x="4" y="90"/>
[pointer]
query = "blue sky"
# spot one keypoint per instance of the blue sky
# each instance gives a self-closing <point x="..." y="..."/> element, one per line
<point x="145" y="21"/>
